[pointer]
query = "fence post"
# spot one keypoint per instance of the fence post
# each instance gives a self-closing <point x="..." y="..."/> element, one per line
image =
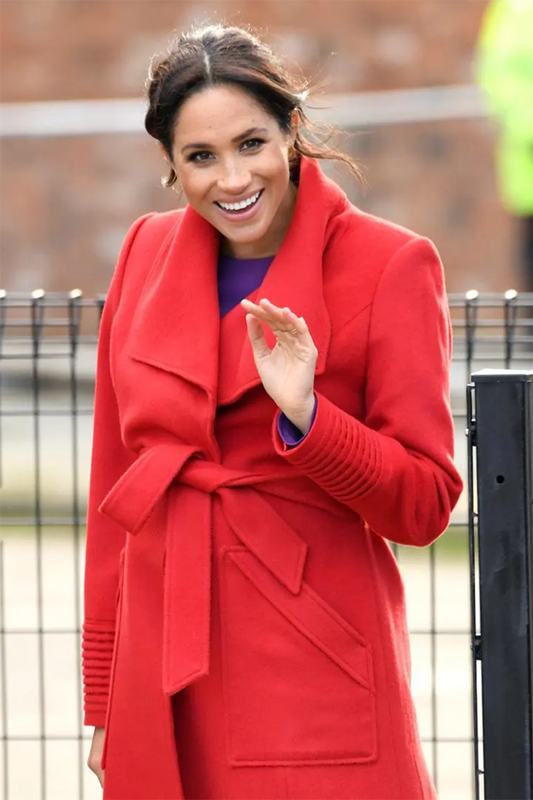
<point x="503" y="442"/>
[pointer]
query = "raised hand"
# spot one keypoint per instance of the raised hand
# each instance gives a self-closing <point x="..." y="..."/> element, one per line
<point x="288" y="370"/>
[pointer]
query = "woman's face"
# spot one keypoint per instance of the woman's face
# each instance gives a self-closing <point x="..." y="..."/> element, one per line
<point x="232" y="160"/>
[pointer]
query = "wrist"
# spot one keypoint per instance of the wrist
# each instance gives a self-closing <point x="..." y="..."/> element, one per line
<point x="302" y="415"/>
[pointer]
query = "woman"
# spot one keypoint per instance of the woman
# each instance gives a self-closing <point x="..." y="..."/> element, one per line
<point x="271" y="408"/>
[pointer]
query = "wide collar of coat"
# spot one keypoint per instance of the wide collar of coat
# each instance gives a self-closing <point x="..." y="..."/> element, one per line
<point x="177" y="325"/>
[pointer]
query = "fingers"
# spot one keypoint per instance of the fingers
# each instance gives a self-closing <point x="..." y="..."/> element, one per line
<point x="94" y="761"/>
<point x="282" y="321"/>
<point x="100" y="775"/>
<point x="98" y="771"/>
<point x="257" y="337"/>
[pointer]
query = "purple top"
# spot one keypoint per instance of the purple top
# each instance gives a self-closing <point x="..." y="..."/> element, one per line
<point x="237" y="278"/>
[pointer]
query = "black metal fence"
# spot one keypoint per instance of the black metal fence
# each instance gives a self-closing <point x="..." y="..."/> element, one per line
<point x="47" y="362"/>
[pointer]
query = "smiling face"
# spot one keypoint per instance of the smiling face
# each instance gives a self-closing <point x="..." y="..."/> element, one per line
<point x="232" y="160"/>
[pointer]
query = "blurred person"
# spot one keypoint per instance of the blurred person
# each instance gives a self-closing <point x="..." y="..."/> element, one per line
<point x="505" y="73"/>
<point x="271" y="411"/>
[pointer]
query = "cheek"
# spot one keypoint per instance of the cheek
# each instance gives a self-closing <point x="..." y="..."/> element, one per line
<point x="194" y="185"/>
<point x="278" y="170"/>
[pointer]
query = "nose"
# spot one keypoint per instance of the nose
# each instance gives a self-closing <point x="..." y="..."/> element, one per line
<point x="234" y="177"/>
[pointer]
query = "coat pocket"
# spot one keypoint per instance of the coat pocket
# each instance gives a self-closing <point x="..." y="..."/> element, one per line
<point x="298" y="679"/>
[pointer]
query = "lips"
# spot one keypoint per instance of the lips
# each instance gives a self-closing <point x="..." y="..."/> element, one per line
<point x="241" y="206"/>
<point x="242" y="212"/>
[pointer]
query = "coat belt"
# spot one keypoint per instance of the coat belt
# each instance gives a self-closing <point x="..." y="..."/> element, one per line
<point x="187" y="580"/>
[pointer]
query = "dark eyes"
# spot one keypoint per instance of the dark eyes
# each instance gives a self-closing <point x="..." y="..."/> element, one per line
<point x="200" y="157"/>
<point x="252" y="144"/>
<point x="203" y="156"/>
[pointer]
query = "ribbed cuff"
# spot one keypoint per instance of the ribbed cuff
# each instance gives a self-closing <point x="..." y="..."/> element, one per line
<point x="339" y="453"/>
<point x="98" y="641"/>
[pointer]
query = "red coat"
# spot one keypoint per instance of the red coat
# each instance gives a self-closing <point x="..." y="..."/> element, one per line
<point x="206" y="509"/>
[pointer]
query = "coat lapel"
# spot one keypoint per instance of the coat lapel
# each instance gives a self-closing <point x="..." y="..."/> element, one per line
<point x="176" y="326"/>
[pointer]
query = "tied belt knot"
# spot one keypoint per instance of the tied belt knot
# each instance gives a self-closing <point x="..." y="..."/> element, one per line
<point x="187" y="579"/>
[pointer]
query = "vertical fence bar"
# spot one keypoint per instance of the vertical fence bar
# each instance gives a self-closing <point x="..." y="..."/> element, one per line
<point x="3" y="668"/>
<point x="471" y="315"/>
<point x="74" y="321"/>
<point x="37" y="319"/>
<point x="3" y="312"/>
<point x="100" y="300"/>
<point x="510" y="325"/>
<point x="504" y="442"/>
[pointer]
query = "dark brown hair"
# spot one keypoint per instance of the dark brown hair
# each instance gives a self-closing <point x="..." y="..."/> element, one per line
<point x="218" y="55"/>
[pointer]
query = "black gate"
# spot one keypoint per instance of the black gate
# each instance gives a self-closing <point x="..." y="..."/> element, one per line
<point x="501" y="530"/>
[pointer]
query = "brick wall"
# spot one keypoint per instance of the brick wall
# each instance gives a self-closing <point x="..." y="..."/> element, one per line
<point x="67" y="201"/>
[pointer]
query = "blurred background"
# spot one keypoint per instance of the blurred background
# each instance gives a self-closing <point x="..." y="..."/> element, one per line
<point x="76" y="172"/>
<point x="76" y="168"/>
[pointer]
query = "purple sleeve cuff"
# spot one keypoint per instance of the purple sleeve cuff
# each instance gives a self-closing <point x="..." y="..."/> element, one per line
<point x="290" y="434"/>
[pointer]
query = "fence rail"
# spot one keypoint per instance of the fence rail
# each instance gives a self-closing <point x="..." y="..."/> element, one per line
<point x="47" y="365"/>
<point x="352" y="110"/>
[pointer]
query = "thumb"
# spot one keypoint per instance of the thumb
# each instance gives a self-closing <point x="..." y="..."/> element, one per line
<point x="256" y="334"/>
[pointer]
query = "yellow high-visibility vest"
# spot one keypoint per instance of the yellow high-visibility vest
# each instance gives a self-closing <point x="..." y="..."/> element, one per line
<point x="505" y="73"/>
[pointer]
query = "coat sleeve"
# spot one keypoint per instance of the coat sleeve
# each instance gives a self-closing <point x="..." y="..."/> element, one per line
<point x="105" y="539"/>
<point x="396" y="469"/>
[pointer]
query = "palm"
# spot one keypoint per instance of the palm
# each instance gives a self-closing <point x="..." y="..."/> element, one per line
<point x="287" y="370"/>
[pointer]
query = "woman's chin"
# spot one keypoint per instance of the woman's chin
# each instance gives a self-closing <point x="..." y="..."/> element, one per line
<point x="243" y="238"/>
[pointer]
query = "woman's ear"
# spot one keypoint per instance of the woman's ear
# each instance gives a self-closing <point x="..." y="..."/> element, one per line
<point x="171" y="181"/>
<point x="164" y="153"/>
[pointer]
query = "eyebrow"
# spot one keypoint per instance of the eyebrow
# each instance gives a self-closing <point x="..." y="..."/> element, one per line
<point x="235" y="140"/>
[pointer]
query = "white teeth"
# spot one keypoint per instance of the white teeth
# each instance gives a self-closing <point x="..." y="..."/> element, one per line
<point x="242" y="205"/>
